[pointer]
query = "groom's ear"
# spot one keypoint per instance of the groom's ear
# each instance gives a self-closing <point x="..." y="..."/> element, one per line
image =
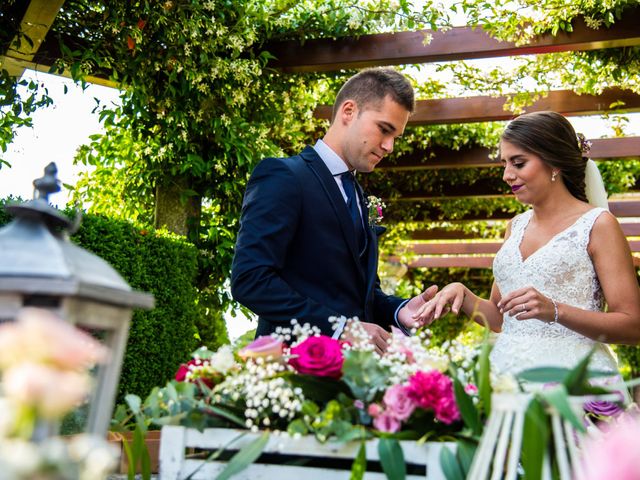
<point x="348" y="111"/>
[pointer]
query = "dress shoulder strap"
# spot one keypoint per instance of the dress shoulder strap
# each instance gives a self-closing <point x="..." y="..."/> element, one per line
<point x="584" y="225"/>
<point x="519" y="222"/>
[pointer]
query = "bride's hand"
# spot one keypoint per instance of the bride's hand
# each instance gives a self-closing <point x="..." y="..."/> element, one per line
<point x="448" y="299"/>
<point x="526" y="303"/>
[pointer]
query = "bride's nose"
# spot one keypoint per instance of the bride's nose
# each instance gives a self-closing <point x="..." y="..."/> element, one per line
<point x="508" y="175"/>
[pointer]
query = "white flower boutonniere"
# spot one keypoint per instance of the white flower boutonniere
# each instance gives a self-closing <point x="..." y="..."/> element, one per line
<point x="374" y="208"/>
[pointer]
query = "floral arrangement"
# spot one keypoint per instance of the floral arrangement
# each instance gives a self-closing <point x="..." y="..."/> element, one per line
<point x="45" y="365"/>
<point x="303" y="383"/>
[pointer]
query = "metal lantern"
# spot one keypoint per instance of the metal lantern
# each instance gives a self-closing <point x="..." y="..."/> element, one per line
<point x="41" y="267"/>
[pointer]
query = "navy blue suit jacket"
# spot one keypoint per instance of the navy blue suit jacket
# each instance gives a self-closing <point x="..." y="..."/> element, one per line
<point x="296" y="254"/>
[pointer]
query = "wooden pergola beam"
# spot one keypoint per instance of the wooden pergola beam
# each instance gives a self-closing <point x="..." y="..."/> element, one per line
<point x="35" y="25"/>
<point x="620" y="208"/>
<point x="629" y="230"/>
<point x="440" y="158"/>
<point x="465" y="262"/>
<point x="486" y="108"/>
<point x="458" y="43"/>
<point x="473" y="248"/>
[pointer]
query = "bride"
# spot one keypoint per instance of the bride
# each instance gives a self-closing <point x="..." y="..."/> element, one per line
<point x="560" y="263"/>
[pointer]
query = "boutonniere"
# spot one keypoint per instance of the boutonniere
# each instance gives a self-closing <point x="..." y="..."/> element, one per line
<point x="374" y="208"/>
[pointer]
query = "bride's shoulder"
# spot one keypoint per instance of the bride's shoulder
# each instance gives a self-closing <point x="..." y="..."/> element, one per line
<point x="516" y="222"/>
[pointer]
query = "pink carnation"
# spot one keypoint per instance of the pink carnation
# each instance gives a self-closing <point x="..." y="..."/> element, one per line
<point x="320" y="356"/>
<point x="447" y="410"/>
<point x="398" y="402"/>
<point x="434" y="391"/>
<point x="386" y="422"/>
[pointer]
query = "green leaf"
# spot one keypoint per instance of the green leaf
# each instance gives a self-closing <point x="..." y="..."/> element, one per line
<point x="134" y="402"/>
<point x="578" y="376"/>
<point x="558" y="398"/>
<point x="464" y="453"/>
<point x="468" y="410"/>
<point x="245" y="457"/>
<point x="392" y="458"/>
<point x="534" y="440"/>
<point x="359" y="466"/>
<point x="484" y="371"/>
<point x="363" y="374"/>
<point x="450" y="466"/>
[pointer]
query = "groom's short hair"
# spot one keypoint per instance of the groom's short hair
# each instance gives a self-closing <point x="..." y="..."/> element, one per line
<point x="372" y="85"/>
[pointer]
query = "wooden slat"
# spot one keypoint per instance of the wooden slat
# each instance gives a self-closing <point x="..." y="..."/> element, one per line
<point x="465" y="251"/>
<point x="440" y="158"/>
<point x="454" y="248"/>
<point x="473" y="248"/>
<point x="629" y="229"/>
<point x="485" y="108"/>
<point x="620" y="208"/>
<point x="35" y="24"/>
<point x="452" y="262"/>
<point x="455" y="44"/>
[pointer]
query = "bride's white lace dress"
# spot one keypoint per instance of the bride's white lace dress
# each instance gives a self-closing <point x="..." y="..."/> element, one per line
<point x="562" y="270"/>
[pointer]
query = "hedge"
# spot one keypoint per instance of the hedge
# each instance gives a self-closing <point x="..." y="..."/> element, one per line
<point x="166" y="266"/>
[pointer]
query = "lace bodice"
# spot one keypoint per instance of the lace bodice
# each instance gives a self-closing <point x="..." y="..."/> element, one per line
<point x="561" y="269"/>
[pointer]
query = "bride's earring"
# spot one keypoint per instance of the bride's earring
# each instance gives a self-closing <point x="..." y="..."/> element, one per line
<point x="553" y="176"/>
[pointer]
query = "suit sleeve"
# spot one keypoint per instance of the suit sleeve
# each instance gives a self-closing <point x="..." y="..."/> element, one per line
<point x="270" y="214"/>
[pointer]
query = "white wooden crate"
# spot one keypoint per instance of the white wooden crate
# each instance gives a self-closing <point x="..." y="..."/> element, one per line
<point x="330" y="460"/>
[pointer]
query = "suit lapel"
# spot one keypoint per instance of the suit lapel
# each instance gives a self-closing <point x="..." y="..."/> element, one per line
<point x="336" y="200"/>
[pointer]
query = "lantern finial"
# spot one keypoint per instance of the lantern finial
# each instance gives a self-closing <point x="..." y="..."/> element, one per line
<point x="47" y="184"/>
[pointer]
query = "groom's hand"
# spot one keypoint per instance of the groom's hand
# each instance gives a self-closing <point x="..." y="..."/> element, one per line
<point x="406" y="313"/>
<point x="377" y="335"/>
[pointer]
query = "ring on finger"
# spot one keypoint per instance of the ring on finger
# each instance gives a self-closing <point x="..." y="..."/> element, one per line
<point x="523" y="307"/>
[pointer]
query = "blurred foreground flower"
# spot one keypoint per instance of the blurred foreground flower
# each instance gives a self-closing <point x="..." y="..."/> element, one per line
<point x="615" y="453"/>
<point x="45" y="363"/>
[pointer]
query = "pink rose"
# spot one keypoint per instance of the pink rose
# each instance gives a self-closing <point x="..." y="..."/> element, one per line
<point x="374" y="410"/>
<point x="185" y="368"/>
<point x="398" y="402"/>
<point x="385" y="422"/>
<point x="320" y="356"/>
<point x="265" y="346"/>
<point x="52" y="392"/>
<point x="40" y="336"/>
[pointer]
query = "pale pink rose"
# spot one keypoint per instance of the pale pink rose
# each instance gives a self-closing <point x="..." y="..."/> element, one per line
<point x="398" y="402"/>
<point x="265" y="346"/>
<point x="50" y="391"/>
<point x="615" y="454"/>
<point x="38" y="335"/>
<point x="386" y="422"/>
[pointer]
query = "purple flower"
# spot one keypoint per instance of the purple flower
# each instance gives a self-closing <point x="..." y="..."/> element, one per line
<point x="602" y="408"/>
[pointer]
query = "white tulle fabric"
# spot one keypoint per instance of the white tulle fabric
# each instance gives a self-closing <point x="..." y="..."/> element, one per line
<point x="562" y="270"/>
<point x="594" y="186"/>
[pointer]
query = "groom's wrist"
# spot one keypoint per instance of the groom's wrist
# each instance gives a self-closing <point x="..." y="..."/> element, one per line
<point x="399" y="324"/>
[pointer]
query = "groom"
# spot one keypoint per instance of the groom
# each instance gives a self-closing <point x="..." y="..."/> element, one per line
<point x="305" y="249"/>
